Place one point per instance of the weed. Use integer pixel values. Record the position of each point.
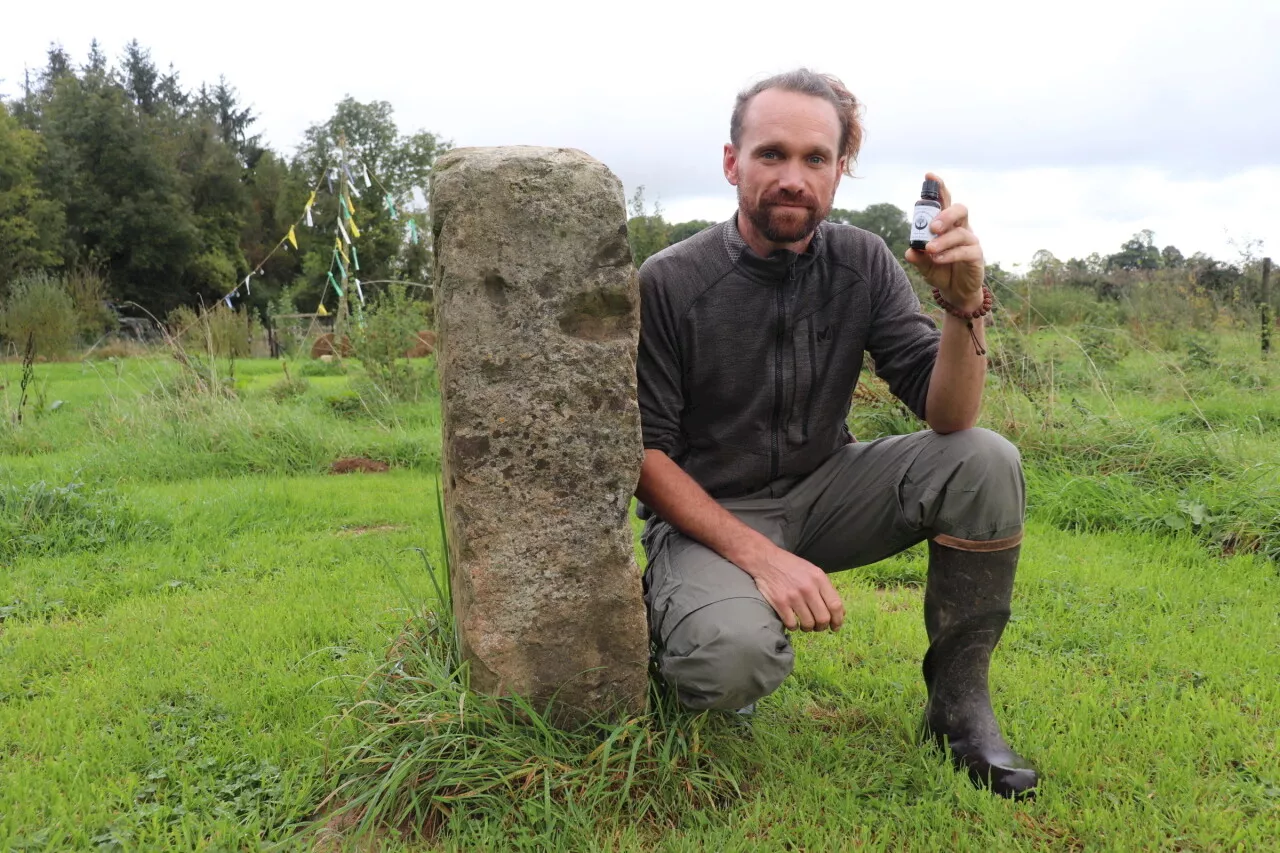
(44, 519)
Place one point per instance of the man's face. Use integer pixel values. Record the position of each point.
(787, 164)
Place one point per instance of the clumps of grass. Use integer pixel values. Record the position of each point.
(1229, 515)
(319, 367)
(418, 754)
(1102, 446)
(288, 388)
(44, 519)
(169, 438)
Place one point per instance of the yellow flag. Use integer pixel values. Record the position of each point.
(351, 199)
(320, 310)
(355, 229)
(311, 200)
(292, 237)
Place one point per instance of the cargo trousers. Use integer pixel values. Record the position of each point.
(719, 644)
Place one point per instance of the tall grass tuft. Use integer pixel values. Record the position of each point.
(44, 519)
(39, 308)
(415, 752)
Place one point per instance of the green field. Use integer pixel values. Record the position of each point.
(188, 597)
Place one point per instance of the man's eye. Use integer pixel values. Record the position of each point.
(817, 159)
(770, 155)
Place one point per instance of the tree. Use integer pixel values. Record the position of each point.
(141, 78)
(1213, 275)
(884, 220)
(221, 107)
(31, 224)
(684, 230)
(1138, 253)
(1171, 258)
(647, 232)
(1046, 268)
(115, 170)
(359, 137)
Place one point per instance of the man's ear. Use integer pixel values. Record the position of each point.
(731, 163)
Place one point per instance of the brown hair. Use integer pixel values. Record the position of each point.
(805, 82)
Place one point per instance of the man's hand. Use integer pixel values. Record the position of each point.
(952, 261)
(798, 591)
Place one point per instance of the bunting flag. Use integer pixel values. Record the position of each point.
(342, 177)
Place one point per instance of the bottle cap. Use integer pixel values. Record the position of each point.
(931, 189)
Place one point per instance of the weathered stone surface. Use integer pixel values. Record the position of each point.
(538, 319)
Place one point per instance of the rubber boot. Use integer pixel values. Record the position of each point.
(966, 606)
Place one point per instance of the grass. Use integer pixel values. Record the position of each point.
(204, 636)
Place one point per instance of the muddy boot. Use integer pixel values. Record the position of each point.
(966, 606)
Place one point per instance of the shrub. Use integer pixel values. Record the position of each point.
(1106, 347)
(39, 307)
(88, 291)
(380, 337)
(218, 331)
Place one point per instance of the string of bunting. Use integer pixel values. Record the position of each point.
(346, 257)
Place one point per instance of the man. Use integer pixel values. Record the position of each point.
(752, 337)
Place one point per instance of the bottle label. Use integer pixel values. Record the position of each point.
(921, 216)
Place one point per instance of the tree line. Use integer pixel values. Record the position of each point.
(166, 191)
(121, 170)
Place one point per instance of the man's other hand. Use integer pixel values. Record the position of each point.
(952, 261)
(798, 591)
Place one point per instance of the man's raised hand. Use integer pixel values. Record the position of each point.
(952, 261)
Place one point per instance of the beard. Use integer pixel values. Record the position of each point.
(779, 225)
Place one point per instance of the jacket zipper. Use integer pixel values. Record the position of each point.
(777, 373)
(813, 379)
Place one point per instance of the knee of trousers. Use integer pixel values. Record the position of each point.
(984, 487)
(726, 655)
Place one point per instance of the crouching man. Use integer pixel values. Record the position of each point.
(752, 337)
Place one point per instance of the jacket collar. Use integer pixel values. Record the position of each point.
(779, 263)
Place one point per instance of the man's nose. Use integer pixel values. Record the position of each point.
(792, 178)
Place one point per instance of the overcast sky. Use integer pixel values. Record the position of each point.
(1066, 129)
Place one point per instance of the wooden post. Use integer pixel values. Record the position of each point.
(1266, 306)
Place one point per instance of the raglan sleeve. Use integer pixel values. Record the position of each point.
(903, 340)
(659, 371)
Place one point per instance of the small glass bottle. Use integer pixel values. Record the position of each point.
(926, 209)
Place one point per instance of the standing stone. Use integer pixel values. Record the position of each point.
(538, 317)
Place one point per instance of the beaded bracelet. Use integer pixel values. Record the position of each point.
(967, 316)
